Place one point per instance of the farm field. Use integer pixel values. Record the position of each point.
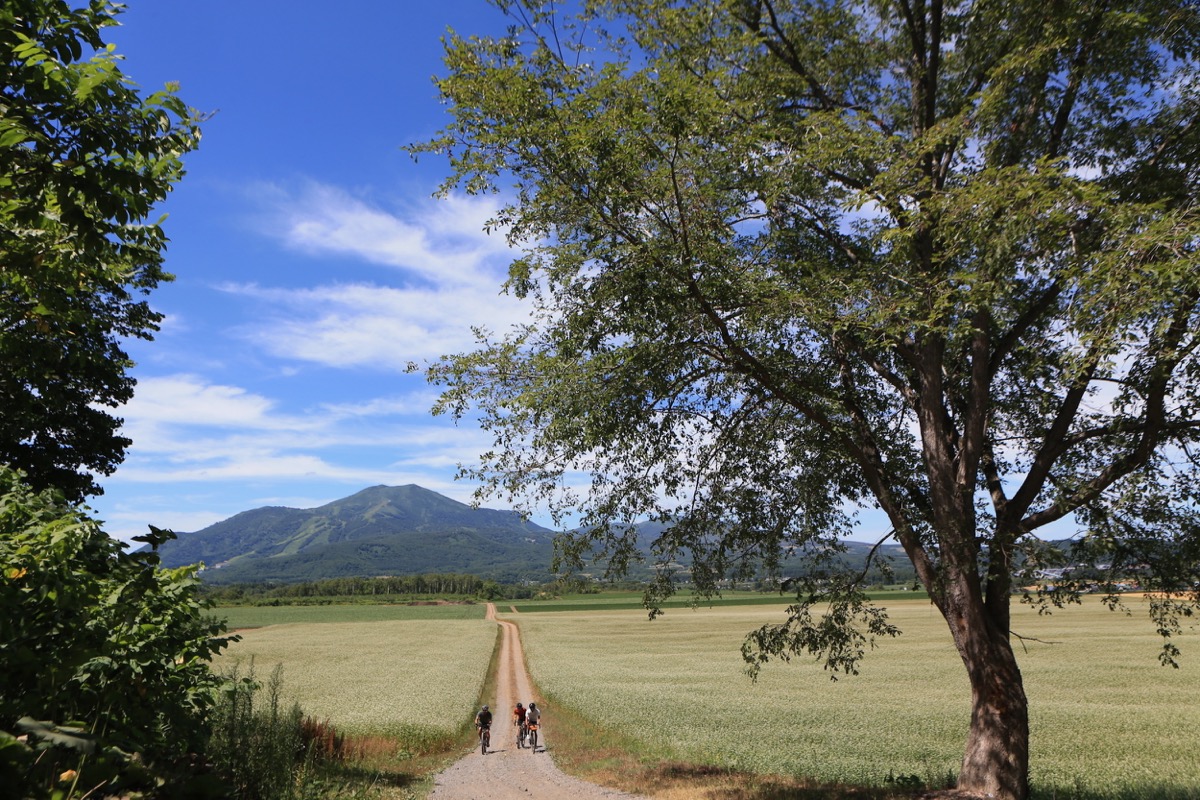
(629, 600)
(1106, 720)
(238, 617)
(414, 679)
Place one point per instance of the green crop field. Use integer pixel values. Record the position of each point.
(628, 601)
(1106, 719)
(238, 617)
(415, 679)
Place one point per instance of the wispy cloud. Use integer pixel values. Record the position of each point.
(190, 399)
(447, 278)
(370, 325)
(184, 427)
(417, 402)
(440, 241)
(190, 432)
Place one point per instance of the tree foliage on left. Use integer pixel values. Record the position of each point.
(103, 654)
(84, 159)
(105, 658)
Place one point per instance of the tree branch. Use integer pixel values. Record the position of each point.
(1032, 314)
(1166, 356)
(1053, 441)
(1083, 54)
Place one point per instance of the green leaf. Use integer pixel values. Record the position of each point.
(76, 739)
(12, 134)
(76, 202)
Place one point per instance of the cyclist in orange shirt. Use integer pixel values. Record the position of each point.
(519, 722)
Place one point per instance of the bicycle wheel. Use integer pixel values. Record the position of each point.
(485, 740)
(533, 740)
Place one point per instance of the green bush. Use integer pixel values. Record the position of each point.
(264, 748)
(257, 744)
(105, 658)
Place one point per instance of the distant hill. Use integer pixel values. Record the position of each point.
(383, 530)
(853, 558)
(401, 530)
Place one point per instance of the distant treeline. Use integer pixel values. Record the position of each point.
(378, 589)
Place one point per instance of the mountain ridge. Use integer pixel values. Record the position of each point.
(401, 530)
(380, 530)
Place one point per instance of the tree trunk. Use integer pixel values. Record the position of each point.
(996, 760)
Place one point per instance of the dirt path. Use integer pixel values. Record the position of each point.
(506, 772)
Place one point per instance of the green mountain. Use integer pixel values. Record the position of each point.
(383, 530)
(400, 530)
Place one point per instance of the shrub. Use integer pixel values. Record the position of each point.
(105, 673)
(257, 744)
(264, 748)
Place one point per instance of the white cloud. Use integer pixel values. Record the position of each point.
(185, 428)
(441, 242)
(449, 279)
(355, 325)
(413, 403)
(244, 465)
(191, 400)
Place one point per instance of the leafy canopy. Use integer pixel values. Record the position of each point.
(790, 259)
(84, 158)
(102, 653)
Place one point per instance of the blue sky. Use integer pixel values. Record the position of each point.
(312, 261)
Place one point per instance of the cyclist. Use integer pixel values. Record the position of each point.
(532, 716)
(519, 723)
(483, 721)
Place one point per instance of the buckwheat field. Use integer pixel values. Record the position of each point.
(1105, 717)
(402, 678)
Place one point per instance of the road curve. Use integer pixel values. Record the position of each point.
(506, 772)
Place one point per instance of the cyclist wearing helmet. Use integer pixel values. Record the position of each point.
(483, 720)
(533, 715)
(519, 723)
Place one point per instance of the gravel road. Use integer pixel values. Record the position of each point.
(506, 772)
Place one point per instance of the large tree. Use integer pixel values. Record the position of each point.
(84, 158)
(792, 259)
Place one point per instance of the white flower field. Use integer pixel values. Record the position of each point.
(1104, 715)
(396, 677)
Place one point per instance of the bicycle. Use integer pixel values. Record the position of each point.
(485, 739)
(522, 734)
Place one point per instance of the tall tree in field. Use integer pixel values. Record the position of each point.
(84, 157)
(791, 259)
